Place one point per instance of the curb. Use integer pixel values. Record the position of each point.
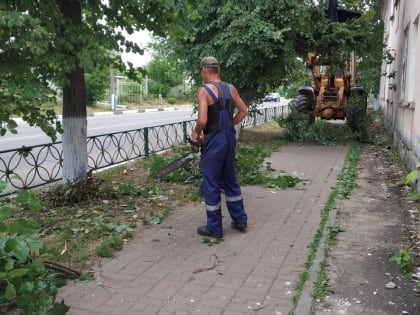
(118, 112)
(132, 111)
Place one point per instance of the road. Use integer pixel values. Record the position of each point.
(105, 123)
(129, 121)
(101, 123)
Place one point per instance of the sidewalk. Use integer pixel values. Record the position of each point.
(167, 269)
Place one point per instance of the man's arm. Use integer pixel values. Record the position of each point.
(202, 113)
(240, 105)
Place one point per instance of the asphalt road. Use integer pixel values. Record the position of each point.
(101, 123)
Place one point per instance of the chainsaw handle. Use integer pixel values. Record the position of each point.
(196, 143)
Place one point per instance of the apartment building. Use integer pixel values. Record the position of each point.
(400, 84)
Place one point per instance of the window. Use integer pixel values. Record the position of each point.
(403, 66)
(412, 52)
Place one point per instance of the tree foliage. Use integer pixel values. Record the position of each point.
(255, 41)
(24, 42)
(39, 44)
(164, 73)
(97, 81)
(263, 44)
(334, 41)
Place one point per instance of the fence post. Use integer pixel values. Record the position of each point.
(265, 115)
(146, 141)
(184, 130)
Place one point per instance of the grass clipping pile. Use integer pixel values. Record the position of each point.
(81, 222)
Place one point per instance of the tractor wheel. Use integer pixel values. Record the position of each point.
(356, 112)
(302, 104)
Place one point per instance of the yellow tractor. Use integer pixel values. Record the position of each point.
(335, 93)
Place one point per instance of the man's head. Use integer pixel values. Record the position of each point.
(210, 63)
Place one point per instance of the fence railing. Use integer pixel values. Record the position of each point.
(38, 165)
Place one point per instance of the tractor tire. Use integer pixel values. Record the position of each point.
(356, 112)
(303, 104)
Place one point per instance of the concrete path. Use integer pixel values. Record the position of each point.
(167, 269)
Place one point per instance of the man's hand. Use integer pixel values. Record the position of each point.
(195, 135)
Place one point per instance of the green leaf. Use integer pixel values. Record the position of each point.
(3, 227)
(412, 177)
(6, 210)
(9, 264)
(22, 196)
(89, 276)
(26, 287)
(3, 185)
(37, 265)
(11, 124)
(19, 272)
(10, 293)
(58, 309)
(10, 245)
(28, 199)
(22, 226)
(156, 220)
(21, 252)
(34, 242)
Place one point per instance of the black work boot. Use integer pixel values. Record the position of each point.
(204, 231)
(239, 226)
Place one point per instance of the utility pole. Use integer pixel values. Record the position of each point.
(112, 89)
(112, 78)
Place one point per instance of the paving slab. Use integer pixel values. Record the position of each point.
(167, 269)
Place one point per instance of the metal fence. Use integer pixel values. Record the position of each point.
(38, 165)
(127, 92)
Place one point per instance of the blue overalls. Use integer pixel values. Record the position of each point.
(218, 160)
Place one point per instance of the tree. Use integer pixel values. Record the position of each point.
(164, 73)
(334, 41)
(97, 82)
(24, 41)
(370, 49)
(255, 41)
(54, 41)
(262, 45)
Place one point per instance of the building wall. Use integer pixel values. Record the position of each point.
(400, 88)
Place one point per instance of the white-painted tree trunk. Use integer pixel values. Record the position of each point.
(75, 159)
(238, 131)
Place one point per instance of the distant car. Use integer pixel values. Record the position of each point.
(272, 97)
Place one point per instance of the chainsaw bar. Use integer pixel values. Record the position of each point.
(175, 165)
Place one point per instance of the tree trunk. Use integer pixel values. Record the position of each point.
(247, 97)
(75, 159)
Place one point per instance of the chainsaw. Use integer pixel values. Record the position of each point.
(174, 165)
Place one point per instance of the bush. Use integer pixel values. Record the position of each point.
(24, 279)
(97, 81)
(299, 128)
(171, 100)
